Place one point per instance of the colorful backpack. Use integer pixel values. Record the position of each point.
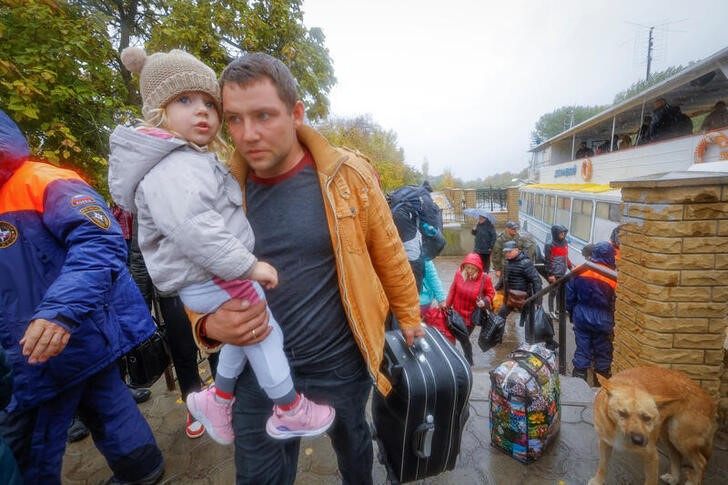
(525, 414)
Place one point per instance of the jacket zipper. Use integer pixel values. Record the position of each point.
(343, 288)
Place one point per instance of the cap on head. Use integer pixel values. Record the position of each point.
(510, 246)
(512, 225)
(165, 75)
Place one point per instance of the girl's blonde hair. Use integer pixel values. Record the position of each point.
(157, 118)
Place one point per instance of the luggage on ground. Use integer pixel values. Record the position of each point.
(419, 425)
(525, 413)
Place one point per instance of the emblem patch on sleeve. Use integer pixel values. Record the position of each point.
(81, 199)
(8, 234)
(96, 215)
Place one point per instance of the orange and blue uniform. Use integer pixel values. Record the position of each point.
(590, 299)
(62, 259)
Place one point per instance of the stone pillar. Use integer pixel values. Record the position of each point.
(673, 275)
(471, 199)
(512, 203)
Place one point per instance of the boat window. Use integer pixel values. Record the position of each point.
(607, 217)
(538, 207)
(581, 219)
(563, 209)
(548, 214)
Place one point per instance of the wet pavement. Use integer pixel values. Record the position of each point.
(571, 459)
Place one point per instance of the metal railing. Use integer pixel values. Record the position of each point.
(560, 288)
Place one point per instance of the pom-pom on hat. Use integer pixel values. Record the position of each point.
(164, 75)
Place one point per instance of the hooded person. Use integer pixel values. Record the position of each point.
(590, 299)
(470, 287)
(556, 257)
(69, 309)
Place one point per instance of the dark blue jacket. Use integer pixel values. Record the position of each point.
(62, 258)
(590, 297)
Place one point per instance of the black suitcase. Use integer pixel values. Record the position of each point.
(419, 425)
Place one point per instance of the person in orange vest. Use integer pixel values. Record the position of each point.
(590, 299)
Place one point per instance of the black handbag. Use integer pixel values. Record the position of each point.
(542, 328)
(458, 329)
(476, 317)
(492, 330)
(146, 362)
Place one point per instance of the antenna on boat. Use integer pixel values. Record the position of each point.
(664, 28)
(649, 54)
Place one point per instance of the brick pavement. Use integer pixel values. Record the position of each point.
(572, 458)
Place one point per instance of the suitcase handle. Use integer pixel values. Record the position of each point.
(420, 348)
(422, 437)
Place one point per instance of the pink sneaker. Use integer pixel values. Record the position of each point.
(307, 419)
(216, 417)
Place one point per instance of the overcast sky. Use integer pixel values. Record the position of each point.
(463, 82)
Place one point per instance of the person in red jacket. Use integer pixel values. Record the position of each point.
(470, 287)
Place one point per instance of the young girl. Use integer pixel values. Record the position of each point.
(470, 287)
(193, 233)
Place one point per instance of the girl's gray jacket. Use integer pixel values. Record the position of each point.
(188, 207)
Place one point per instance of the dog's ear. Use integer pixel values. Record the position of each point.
(606, 385)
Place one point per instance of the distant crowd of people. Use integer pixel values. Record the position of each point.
(667, 121)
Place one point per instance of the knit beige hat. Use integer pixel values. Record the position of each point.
(164, 75)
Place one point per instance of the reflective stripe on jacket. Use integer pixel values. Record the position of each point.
(590, 299)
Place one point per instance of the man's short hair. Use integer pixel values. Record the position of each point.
(254, 67)
(512, 225)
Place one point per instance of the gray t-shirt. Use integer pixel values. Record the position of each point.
(291, 233)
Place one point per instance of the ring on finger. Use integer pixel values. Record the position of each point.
(254, 334)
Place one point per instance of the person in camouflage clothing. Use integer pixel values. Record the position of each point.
(524, 243)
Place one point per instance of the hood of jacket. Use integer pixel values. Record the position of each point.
(13, 147)
(556, 230)
(604, 254)
(133, 155)
(474, 259)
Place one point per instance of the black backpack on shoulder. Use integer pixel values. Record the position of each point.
(417, 200)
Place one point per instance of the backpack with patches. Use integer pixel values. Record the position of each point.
(418, 201)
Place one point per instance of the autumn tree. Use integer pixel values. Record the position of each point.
(379, 145)
(55, 82)
(641, 85)
(561, 119)
(62, 80)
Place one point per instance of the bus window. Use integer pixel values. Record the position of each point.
(581, 219)
(538, 207)
(548, 214)
(563, 211)
(529, 204)
(606, 218)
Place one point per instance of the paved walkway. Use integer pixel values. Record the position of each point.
(571, 459)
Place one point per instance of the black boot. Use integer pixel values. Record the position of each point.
(140, 395)
(77, 431)
(580, 373)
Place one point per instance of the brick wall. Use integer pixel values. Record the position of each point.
(673, 276)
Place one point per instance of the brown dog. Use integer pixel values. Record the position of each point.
(638, 406)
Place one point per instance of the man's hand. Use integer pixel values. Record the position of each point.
(238, 322)
(410, 334)
(442, 305)
(42, 340)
